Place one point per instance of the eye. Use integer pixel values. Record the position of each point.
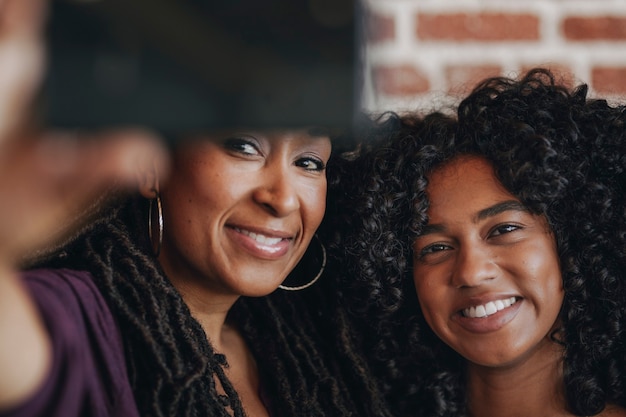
(310, 163)
(242, 145)
(433, 250)
(435, 247)
(504, 229)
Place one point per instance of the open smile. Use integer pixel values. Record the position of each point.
(263, 245)
(262, 239)
(486, 310)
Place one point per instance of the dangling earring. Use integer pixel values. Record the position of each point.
(159, 214)
(316, 277)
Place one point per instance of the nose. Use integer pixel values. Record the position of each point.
(474, 266)
(277, 193)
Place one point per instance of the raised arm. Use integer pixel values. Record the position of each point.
(46, 179)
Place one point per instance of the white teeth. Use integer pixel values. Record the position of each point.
(260, 238)
(488, 309)
(480, 311)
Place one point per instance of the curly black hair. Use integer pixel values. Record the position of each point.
(564, 156)
(303, 342)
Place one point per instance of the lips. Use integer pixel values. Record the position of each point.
(486, 310)
(268, 245)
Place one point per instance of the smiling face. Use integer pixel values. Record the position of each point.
(486, 270)
(240, 209)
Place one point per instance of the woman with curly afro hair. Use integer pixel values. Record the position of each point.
(487, 252)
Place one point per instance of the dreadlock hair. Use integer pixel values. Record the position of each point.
(305, 347)
(563, 156)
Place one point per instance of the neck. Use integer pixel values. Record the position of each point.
(210, 309)
(531, 387)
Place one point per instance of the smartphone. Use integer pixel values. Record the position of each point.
(181, 67)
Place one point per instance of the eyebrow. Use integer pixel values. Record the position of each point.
(509, 205)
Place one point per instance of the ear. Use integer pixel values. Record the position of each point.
(148, 177)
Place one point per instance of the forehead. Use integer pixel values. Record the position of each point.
(464, 183)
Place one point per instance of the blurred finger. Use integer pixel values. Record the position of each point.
(49, 182)
(112, 155)
(21, 60)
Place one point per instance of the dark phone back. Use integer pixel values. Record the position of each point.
(186, 66)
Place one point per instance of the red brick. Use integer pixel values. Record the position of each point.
(563, 74)
(461, 79)
(609, 80)
(594, 28)
(401, 80)
(492, 27)
(380, 28)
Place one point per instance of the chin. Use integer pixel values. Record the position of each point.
(257, 289)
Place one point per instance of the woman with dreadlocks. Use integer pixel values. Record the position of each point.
(489, 254)
(234, 217)
(176, 300)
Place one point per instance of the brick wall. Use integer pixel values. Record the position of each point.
(427, 53)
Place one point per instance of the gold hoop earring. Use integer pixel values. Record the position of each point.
(159, 215)
(315, 278)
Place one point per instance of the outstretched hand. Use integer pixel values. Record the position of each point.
(47, 178)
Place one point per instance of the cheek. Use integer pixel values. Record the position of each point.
(435, 297)
(542, 264)
(553, 291)
(313, 202)
(428, 298)
(435, 317)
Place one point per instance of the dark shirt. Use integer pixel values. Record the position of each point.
(88, 375)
